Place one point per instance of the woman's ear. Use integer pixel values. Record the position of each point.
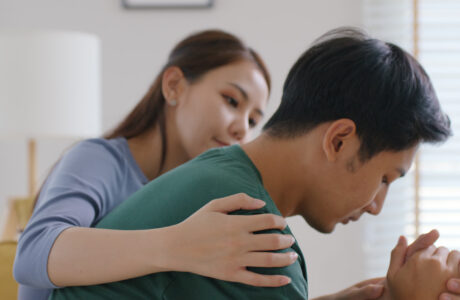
(172, 85)
(340, 137)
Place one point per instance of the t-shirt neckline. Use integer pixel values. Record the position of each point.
(132, 161)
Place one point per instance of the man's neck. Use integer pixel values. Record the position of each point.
(276, 161)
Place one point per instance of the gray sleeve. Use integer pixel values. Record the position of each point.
(78, 192)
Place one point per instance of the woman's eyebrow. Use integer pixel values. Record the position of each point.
(239, 88)
(245, 96)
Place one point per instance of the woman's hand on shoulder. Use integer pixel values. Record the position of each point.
(212, 243)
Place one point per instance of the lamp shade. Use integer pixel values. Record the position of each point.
(49, 84)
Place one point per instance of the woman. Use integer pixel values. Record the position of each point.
(211, 73)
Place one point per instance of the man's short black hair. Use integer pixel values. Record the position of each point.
(382, 88)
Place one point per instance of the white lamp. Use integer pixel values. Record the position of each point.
(49, 87)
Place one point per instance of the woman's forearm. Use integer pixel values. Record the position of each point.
(87, 256)
(209, 243)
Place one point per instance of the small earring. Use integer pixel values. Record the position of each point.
(172, 102)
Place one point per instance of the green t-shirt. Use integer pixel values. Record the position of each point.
(172, 198)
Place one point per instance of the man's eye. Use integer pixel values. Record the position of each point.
(231, 101)
(385, 180)
(252, 123)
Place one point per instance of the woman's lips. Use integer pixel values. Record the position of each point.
(221, 144)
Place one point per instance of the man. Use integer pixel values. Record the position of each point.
(353, 113)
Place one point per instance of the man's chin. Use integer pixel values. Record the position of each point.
(323, 228)
(329, 229)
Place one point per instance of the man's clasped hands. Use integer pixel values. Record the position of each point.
(419, 271)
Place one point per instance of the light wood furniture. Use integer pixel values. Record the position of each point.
(18, 212)
(8, 286)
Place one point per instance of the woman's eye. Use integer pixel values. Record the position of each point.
(231, 101)
(252, 123)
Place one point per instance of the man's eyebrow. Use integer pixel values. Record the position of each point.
(245, 96)
(401, 171)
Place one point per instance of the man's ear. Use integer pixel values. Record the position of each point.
(339, 136)
(172, 84)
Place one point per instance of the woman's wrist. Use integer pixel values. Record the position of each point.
(162, 249)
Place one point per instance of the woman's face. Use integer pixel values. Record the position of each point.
(221, 108)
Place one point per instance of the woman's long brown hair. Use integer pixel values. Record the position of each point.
(195, 55)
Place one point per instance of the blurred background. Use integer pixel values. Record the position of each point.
(134, 43)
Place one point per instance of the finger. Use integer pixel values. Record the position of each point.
(453, 261)
(261, 222)
(422, 242)
(428, 252)
(442, 253)
(270, 241)
(260, 280)
(269, 259)
(371, 291)
(446, 296)
(234, 202)
(453, 286)
(377, 280)
(397, 256)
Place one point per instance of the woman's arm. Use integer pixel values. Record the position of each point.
(209, 243)
(87, 256)
(87, 182)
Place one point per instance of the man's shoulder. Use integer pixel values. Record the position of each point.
(224, 161)
(172, 197)
(217, 172)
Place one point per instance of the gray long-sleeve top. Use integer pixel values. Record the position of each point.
(90, 180)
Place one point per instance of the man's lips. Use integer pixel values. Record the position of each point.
(350, 219)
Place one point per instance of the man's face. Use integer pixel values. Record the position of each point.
(352, 188)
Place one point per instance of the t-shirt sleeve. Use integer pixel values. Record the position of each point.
(77, 193)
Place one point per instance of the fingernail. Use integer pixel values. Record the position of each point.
(292, 240)
(260, 202)
(453, 285)
(294, 255)
(285, 280)
(400, 240)
(445, 297)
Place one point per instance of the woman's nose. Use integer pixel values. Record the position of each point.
(240, 128)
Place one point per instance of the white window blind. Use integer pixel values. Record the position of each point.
(433, 28)
(439, 48)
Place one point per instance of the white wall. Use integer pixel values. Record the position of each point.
(135, 44)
